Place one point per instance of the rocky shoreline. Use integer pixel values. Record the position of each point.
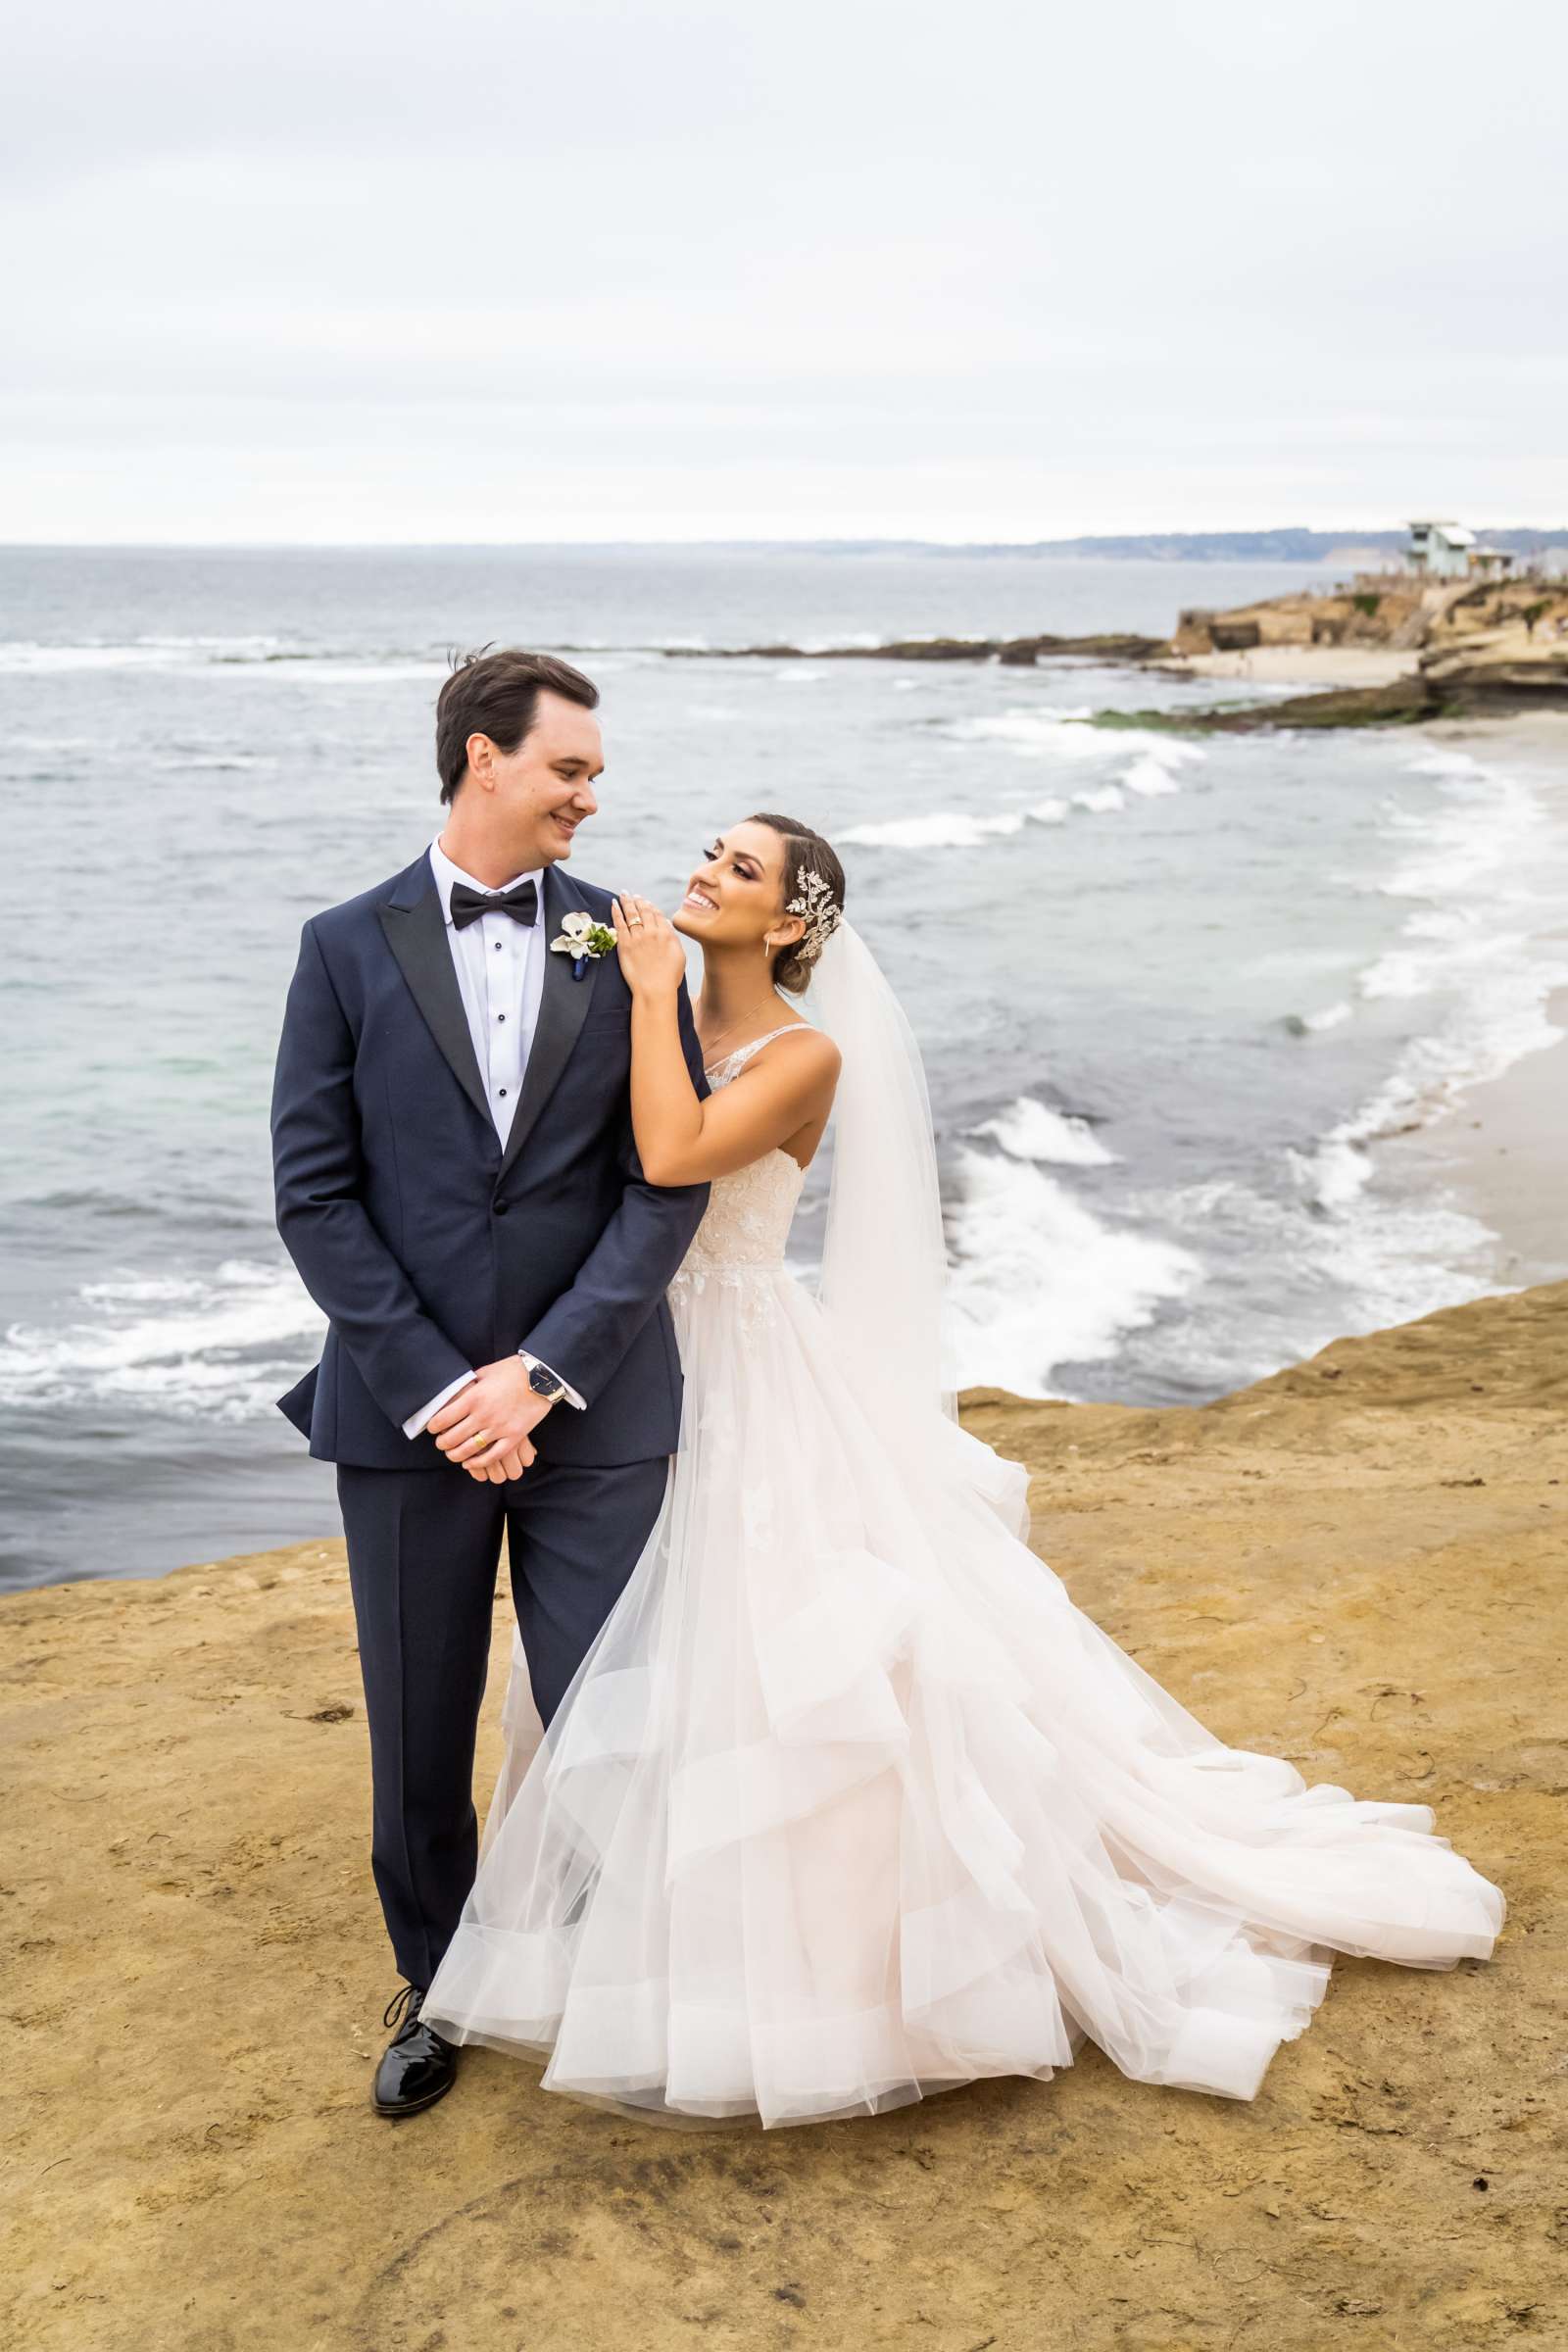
(1489, 650)
(1013, 653)
(1480, 648)
(1405, 701)
(1353, 1563)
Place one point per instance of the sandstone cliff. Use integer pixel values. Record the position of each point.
(1488, 646)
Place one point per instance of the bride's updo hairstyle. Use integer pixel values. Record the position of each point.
(814, 887)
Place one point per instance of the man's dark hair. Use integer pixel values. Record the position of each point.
(497, 694)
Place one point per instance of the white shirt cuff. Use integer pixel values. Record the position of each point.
(415, 1424)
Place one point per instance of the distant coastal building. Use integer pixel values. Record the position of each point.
(1447, 550)
(1440, 548)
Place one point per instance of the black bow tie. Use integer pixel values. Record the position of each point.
(521, 903)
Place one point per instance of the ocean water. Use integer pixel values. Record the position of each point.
(1169, 992)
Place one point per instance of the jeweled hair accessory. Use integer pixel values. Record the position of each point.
(815, 902)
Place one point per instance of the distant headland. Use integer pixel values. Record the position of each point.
(1288, 544)
(1447, 623)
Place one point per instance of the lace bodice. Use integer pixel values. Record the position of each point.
(748, 1215)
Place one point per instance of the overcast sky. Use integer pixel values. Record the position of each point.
(742, 268)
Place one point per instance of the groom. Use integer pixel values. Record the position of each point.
(458, 1185)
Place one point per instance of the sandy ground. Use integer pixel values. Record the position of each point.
(1356, 1564)
(1299, 665)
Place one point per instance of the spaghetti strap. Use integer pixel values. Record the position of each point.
(733, 1063)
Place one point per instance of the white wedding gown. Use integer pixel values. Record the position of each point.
(850, 1803)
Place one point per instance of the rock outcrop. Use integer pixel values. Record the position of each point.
(1502, 646)
(1494, 646)
(1401, 703)
(1380, 615)
(1015, 651)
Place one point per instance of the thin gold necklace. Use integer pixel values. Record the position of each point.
(710, 1043)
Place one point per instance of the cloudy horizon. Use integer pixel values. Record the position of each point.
(355, 276)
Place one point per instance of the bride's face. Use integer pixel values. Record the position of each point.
(735, 898)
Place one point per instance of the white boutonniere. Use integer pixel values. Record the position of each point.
(583, 939)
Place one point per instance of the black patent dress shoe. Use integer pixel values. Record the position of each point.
(418, 2065)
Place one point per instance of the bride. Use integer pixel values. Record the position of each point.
(849, 1802)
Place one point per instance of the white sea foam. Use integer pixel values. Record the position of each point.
(1437, 950)
(1151, 776)
(1490, 1029)
(1474, 953)
(219, 657)
(951, 828)
(1029, 1128)
(17, 654)
(1033, 733)
(1330, 1017)
(944, 829)
(346, 669)
(1444, 763)
(959, 829)
(1475, 829)
(1400, 1258)
(1039, 1281)
(1379, 1259)
(182, 762)
(220, 1345)
(1151, 770)
(1036, 734)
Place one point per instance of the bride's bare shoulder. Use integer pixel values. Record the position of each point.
(811, 1048)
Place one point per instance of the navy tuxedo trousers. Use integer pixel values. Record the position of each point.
(423, 1549)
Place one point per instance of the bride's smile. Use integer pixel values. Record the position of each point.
(760, 938)
(734, 896)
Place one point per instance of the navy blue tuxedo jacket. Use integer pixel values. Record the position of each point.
(429, 1249)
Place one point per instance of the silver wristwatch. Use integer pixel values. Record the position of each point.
(545, 1384)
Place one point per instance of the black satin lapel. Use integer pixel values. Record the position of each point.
(418, 938)
(563, 1006)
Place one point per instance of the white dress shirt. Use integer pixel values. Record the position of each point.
(500, 965)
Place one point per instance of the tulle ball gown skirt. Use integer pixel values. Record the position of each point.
(850, 1802)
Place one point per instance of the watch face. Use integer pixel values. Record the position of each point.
(543, 1382)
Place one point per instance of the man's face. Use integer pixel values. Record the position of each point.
(545, 788)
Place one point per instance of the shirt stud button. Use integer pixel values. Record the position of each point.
(502, 1091)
